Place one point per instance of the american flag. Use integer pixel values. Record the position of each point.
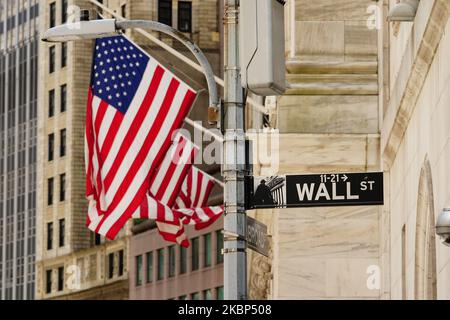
(134, 106)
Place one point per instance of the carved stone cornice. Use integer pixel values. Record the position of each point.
(408, 88)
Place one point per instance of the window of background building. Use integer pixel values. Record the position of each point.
(50, 236)
(195, 296)
(52, 14)
(50, 187)
(160, 264)
(172, 257)
(63, 105)
(183, 260)
(62, 232)
(165, 12)
(121, 265)
(184, 297)
(149, 272)
(123, 10)
(138, 270)
(62, 187)
(48, 281)
(97, 239)
(207, 253)
(60, 278)
(185, 16)
(207, 294)
(219, 246)
(51, 146)
(195, 253)
(63, 54)
(51, 59)
(110, 265)
(62, 143)
(219, 292)
(51, 103)
(63, 11)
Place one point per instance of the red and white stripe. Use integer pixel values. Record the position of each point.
(165, 185)
(123, 150)
(195, 190)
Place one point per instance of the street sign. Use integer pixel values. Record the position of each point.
(257, 236)
(315, 190)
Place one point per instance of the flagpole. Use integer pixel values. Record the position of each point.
(233, 167)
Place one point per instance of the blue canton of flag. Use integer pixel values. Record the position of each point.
(118, 70)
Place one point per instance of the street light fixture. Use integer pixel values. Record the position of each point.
(85, 30)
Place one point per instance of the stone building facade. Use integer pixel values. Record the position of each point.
(72, 263)
(329, 122)
(414, 148)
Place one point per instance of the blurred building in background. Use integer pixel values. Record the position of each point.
(19, 41)
(365, 95)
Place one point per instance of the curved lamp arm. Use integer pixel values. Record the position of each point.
(214, 101)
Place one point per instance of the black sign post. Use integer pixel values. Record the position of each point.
(315, 190)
